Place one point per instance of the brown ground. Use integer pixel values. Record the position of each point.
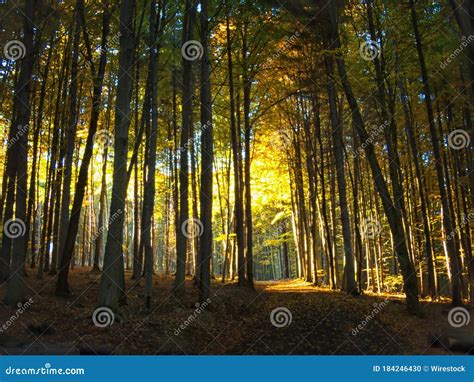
(237, 321)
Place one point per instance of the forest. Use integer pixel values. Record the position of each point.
(236, 177)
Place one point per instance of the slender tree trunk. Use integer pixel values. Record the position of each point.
(112, 285)
(235, 138)
(150, 160)
(32, 191)
(187, 120)
(247, 79)
(349, 282)
(70, 137)
(207, 160)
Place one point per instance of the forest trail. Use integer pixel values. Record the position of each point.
(236, 320)
(325, 322)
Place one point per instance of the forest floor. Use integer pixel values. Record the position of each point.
(235, 321)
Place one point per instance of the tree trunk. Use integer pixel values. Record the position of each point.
(207, 159)
(112, 284)
(235, 139)
(187, 120)
(349, 282)
(150, 157)
(17, 161)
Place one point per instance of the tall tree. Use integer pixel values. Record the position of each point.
(112, 283)
(17, 160)
(349, 282)
(150, 156)
(186, 128)
(207, 159)
(236, 155)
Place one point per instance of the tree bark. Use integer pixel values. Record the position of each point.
(349, 282)
(235, 139)
(112, 283)
(207, 160)
(187, 121)
(17, 159)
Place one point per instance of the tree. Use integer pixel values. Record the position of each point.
(112, 283)
(150, 156)
(207, 159)
(349, 284)
(236, 155)
(14, 240)
(187, 122)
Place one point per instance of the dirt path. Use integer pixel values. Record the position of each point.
(320, 322)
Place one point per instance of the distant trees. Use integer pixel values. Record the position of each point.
(73, 223)
(447, 218)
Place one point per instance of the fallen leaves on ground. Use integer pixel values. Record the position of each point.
(237, 320)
